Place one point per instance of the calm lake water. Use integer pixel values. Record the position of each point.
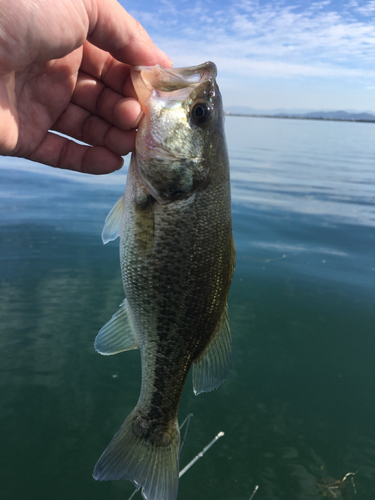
(299, 406)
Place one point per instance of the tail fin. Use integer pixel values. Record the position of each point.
(154, 466)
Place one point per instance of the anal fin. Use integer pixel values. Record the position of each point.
(213, 366)
(118, 333)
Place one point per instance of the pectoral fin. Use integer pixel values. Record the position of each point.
(112, 225)
(212, 368)
(118, 334)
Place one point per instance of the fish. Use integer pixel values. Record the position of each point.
(177, 258)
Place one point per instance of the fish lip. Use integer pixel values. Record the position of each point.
(186, 76)
(148, 79)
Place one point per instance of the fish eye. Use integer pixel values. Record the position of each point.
(201, 112)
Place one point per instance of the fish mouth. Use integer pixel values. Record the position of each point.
(146, 79)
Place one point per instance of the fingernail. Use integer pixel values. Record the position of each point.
(121, 165)
(169, 62)
(139, 119)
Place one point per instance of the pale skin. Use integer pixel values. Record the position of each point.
(64, 66)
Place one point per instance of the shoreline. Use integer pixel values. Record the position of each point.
(301, 118)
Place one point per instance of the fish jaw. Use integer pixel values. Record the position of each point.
(147, 79)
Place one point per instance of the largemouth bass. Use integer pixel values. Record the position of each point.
(177, 259)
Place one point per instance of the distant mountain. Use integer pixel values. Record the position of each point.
(303, 113)
(245, 110)
(341, 115)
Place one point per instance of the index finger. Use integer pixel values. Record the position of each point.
(102, 66)
(113, 29)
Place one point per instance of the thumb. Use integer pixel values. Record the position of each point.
(113, 29)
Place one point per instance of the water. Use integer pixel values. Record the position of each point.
(299, 406)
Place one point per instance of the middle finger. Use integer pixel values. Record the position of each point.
(99, 99)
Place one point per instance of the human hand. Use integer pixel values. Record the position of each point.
(64, 66)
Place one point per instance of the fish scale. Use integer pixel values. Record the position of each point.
(177, 260)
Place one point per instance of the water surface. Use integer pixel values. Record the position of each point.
(299, 405)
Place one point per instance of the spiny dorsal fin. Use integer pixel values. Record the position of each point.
(118, 334)
(212, 368)
(112, 225)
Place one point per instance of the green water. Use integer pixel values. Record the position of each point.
(299, 405)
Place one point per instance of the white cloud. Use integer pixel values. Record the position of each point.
(367, 9)
(272, 30)
(278, 40)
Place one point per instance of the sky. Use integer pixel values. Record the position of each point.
(272, 54)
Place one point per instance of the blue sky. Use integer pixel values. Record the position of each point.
(273, 54)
